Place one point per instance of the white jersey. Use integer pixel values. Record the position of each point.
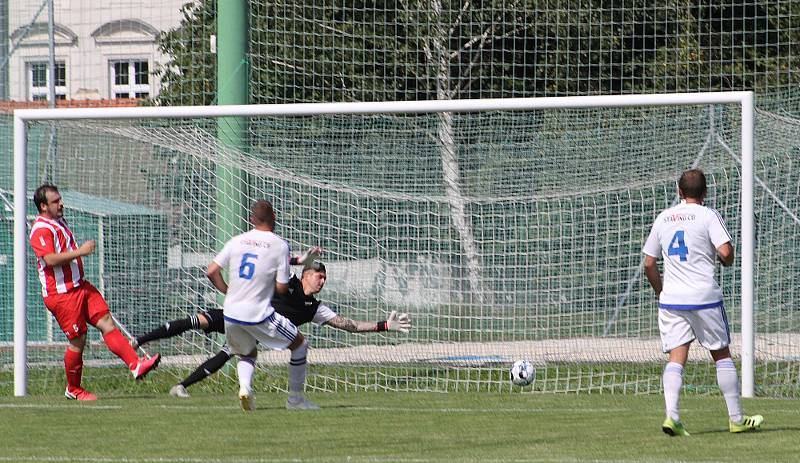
(687, 237)
(323, 315)
(255, 261)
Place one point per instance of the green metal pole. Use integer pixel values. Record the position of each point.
(232, 89)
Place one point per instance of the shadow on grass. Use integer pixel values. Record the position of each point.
(763, 430)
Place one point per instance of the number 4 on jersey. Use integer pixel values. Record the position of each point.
(677, 247)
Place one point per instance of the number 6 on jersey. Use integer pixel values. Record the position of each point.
(247, 268)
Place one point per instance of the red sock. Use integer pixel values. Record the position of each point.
(117, 344)
(73, 364)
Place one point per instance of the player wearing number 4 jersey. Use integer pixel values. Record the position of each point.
(691, 238)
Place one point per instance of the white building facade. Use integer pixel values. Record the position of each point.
(104, 49)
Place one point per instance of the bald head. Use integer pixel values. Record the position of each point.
(692, 184)
(262, 214)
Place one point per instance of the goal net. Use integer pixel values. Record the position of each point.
(504, 234)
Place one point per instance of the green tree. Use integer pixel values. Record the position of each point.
(338, 50)
(190, 75)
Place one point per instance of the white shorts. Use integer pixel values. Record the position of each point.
(275, 332)
(708, 326)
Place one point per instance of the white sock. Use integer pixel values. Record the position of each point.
(297, 371)
(672, 380)
(728, 382)
(245, 369)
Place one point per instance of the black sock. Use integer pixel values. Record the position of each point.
(169, 329)
(208, 368)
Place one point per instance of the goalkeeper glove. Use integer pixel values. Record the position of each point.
(398, 322)
(309, 256)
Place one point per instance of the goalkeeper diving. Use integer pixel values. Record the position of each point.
(299, 305)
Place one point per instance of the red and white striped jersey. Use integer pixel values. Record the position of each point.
(49, 236)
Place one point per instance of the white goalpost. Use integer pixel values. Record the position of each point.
(477, 247)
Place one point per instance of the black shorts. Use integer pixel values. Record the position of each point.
(216, 322)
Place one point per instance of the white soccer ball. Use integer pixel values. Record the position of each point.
(522, 373)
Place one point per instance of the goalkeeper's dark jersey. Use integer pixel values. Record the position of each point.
(295, 305)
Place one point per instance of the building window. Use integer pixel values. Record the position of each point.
(130, 79)
(38, 81)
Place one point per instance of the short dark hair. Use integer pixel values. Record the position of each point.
(693, 184)
(316, 266)
(40, 195)
(263, 213)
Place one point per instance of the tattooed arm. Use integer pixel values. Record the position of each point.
(353, 326)
(395, 322)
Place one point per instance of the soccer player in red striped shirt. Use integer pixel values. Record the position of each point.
(71, 299)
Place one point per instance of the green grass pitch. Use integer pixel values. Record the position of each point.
(387, 427)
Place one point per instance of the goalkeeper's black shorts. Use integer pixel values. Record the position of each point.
(216, 322)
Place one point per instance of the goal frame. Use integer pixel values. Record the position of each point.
(743, 98)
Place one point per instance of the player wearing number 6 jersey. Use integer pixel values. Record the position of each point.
(258, 266)
(300, 306)
(691, 238)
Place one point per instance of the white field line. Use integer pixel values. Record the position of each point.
(234, 406)
(448, 410)
(69, 406)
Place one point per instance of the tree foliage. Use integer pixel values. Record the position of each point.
(190, 75)
(340, 50)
